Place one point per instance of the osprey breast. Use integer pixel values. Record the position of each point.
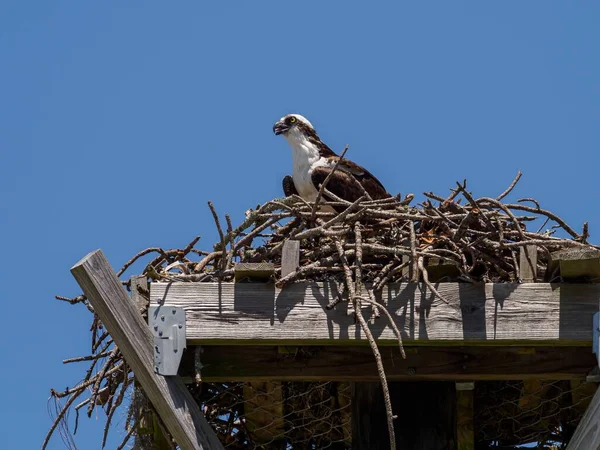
(305, 158)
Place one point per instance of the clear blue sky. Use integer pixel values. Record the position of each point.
(118, 121)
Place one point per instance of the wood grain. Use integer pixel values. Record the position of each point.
(528, 263)
(290, 257)
(168, 395)
(500, 314)
(253, 271)
(577, 263)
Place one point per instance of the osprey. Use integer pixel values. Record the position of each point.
(313, 161)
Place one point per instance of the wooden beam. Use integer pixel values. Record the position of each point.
(253, 271)
(476, 314)
(330, 363)
(576, 264)
(587, 434)
(169, 395)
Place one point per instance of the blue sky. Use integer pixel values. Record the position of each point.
(118, 121)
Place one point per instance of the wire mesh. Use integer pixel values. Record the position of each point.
(278, 415)
(531, 414)
(536, 413)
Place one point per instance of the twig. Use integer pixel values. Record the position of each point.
(220, 230)
(511, 187)
(324, 184)
(365, 327)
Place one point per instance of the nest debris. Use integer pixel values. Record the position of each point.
(363, 245)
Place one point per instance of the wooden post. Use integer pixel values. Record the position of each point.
(263, 411)
(528, 264)
(169, 395)
(148, 426)
(369, 429)
(263, 400)
(429, 423)
(465, 433)
(290, 257)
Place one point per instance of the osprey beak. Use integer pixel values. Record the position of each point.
(280, 127)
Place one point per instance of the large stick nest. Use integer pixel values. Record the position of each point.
(364, 245)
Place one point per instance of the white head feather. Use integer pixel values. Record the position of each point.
(299, 118)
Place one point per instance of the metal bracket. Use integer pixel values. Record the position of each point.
(167, 324)
(596, 337)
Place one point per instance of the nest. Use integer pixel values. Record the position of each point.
(363, 244)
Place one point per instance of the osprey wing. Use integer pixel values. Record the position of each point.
(347, 179)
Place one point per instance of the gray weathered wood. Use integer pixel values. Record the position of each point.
(251, 313)
(140, 283)
(356, 363)
(148, 427)
(290, 257)
(587, 434)
(168, 395)
(576, 263)
(253, 271)
(528, 266)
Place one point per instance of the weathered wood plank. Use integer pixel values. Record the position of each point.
(528, 263)
(168, 395)
(576, 263)
(587, 434)
(331, 363)
(290, 257)
(253, 271)
(253, 313)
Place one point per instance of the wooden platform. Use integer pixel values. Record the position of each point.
(528, 314)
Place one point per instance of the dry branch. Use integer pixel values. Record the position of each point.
(370, 243)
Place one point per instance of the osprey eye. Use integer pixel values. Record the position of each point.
(291, 119)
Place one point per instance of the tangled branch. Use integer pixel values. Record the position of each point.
(363, 245)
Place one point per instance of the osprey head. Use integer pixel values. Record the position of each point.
(292, 122)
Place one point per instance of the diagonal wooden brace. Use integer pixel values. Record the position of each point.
(169, 395)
